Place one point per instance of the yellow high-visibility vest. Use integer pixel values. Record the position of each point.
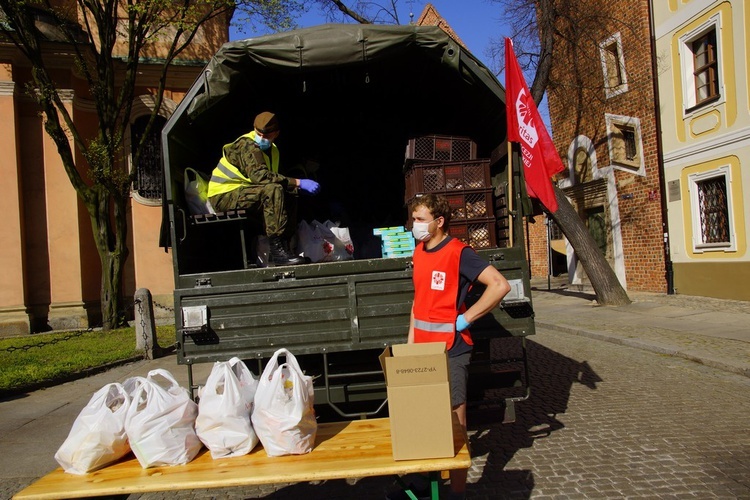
(226, 177)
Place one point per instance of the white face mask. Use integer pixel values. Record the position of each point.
(420, 231)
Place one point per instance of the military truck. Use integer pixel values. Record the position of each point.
(354, 102)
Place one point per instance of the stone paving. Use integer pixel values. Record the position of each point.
(609, 421)
(604, 421)
(649, 400)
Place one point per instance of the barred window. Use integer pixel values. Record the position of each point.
(625, 143)
(714, 211)
(148, 172)
(628, 137)
(711, 205)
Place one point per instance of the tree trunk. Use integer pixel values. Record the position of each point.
(112, 308)
(110, 233)
(609, 291)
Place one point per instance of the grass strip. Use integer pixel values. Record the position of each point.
(32, 360)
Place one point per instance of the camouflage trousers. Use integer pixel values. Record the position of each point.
(274, 206)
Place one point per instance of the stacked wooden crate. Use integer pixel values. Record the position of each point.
(448, 165)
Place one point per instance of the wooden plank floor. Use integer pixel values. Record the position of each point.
(356, 449)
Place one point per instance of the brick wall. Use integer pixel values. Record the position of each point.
(537, 246)
(578, 105)
(431, 17)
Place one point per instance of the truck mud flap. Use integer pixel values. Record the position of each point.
(499, 376)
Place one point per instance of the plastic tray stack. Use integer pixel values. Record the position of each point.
(461, 177)
(441, 148)
(395, 241)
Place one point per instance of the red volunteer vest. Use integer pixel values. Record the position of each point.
(436, 282)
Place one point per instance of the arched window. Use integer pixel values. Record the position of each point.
(148, 172)
(582, 166)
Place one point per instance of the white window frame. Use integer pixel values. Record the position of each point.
(639, 167)
(698, 245)
(610, 92)
(687, 62)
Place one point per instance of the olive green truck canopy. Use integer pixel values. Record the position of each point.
(348, 98)
(398, 80)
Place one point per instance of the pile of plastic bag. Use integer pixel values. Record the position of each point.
(155, 418)
(324, 241)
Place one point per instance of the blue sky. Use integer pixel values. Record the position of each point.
(475, 21)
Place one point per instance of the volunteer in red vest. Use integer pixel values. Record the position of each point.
(444, 270)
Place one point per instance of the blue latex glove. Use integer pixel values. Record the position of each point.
(461, 323)
(309, 186)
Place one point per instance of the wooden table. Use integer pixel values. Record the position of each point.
(361, 448)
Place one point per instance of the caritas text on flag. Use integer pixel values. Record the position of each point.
(525, 125)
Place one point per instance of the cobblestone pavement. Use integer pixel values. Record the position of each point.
(648, 400)
(604, 421)
(609, 421)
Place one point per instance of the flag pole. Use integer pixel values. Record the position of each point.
(509, 194)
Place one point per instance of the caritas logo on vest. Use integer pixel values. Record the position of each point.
(438, 280)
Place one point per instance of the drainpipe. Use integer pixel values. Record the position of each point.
(668, 271)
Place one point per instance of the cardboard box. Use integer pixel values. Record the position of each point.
(419, 400)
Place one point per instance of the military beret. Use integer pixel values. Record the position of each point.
(266, 123)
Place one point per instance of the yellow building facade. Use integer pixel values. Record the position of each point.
(51, 275)
(703, 74)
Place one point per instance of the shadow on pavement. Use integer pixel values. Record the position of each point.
(363, 489)
(566, 292)
(552, 376)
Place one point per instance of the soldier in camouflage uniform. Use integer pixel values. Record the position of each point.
(247, 177)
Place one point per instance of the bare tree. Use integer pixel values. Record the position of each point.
(360, 11)
(539, 29)
(97, 33)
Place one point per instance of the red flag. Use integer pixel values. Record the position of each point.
(525, 125)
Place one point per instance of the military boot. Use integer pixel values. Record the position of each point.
(279, 254)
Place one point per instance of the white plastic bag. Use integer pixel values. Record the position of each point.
(98, 436)
(310, 242)
(224, 410)
(196, 192)
(328, 239)
(160, 422)
(343, 247)
(131, 384)
(284, 416)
